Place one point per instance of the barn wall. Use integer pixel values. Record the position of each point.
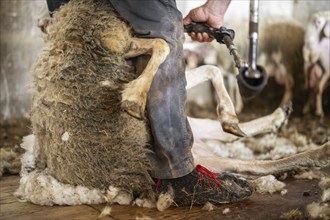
(303, 9)
(239, 9)
(20, 41)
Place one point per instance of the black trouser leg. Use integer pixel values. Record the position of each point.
(55, 4)
(171, 132)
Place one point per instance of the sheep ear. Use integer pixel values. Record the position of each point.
(326, 29)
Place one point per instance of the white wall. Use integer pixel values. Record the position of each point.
(20, 40)
(239, 9)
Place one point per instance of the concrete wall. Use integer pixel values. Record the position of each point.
(303, 9)
(239, 9)
(20, 41)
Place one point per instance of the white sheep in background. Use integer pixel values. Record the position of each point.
(317, 58)
(198, 54)
(279, 52)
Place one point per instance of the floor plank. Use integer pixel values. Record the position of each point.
(300, 193)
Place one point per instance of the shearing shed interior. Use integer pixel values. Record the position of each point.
(64, 91)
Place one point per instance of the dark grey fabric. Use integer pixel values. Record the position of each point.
(167, 97)
(55, 4)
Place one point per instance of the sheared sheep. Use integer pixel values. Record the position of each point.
(85, 147)
(317, 59)
(279, 52)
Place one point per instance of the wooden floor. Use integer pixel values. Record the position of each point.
(300, 193)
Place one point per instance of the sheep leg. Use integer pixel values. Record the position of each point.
(319, 108)
(318, 157)
(289, 83)
(307, 67)
(233, 92)
(134, 95)
(225, 109)
(238, 98)
(307, 70)
(210, 129)
(308, 104)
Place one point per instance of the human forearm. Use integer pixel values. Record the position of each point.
(217, 7)
(212, 13)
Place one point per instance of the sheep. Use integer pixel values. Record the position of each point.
(82, 84)
(316, 59)
(88, 145)
(198, 54)
(279, 52)
(77, 97)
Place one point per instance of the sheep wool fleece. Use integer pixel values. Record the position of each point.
(83, 137)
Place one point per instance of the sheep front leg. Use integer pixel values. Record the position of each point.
(225, 109)
(316, 158)
(288, 83)
(204, 129)
(134, 95)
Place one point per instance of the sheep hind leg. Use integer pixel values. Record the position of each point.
(225, 109)
(315, 158)
(289, 83)
(319, 107)
(204, 129)
(134, 95)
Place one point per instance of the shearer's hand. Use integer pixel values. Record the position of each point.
(44, 18)
(212, 12)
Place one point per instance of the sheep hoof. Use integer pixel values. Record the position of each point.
(287, 109)
(319, 113)
(133, 109)
(233, 128)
